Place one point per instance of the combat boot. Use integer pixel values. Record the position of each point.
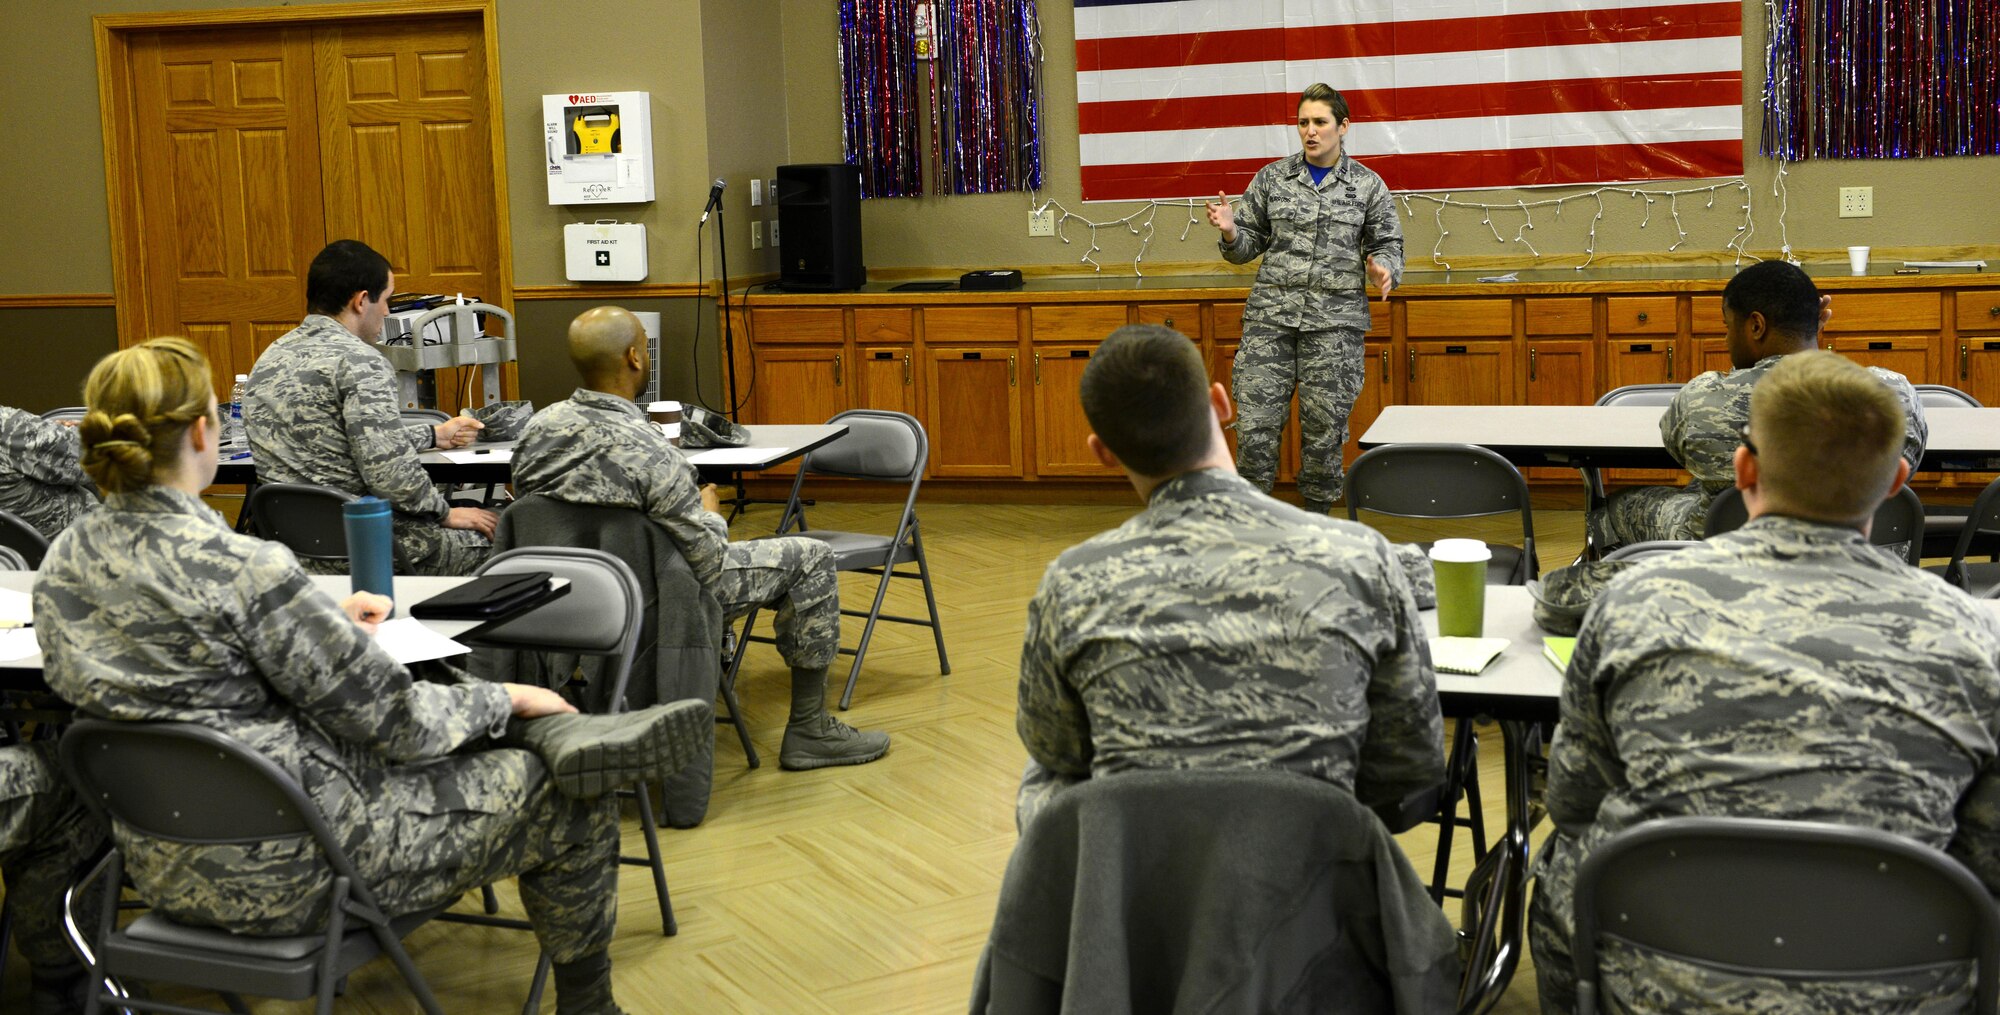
(591, 755)
(814, 738)
(583, 987)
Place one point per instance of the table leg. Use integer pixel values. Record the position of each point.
(1496, 895)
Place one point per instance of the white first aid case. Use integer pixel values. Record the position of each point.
(605, 251)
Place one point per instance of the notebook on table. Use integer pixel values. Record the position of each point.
(1465, 655)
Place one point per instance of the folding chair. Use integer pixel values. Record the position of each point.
(600, 617)
(1451, 481)
(432, 417)
(887, 447)
(306, 518)
(1899, 521)
(186, 783)
(24, 539)
(1942, 521)
(1980, 579)
(1785, 899)
(1595, 496)
(11, 560)
(1649, 548)
(67, 412)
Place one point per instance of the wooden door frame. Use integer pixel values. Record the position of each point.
(114, 34)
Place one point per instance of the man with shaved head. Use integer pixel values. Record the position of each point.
(599, 448)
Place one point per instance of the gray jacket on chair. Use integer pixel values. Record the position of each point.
(680, 642)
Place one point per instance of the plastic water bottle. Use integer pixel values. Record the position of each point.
(233, 435)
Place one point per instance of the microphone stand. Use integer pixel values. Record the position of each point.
(739, 500)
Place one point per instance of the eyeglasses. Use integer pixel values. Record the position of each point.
(1743, 434)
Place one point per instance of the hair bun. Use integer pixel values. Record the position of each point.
(117, 452)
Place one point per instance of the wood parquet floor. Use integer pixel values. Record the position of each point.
(867, 889)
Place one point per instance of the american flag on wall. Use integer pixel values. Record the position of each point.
(1184, 98)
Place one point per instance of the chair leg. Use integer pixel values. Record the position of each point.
(542, 967)
(930, 600)
(729, 689)
(1459, 773)
(651, 830)
(329, 953)
(867, 632)
(489, 900)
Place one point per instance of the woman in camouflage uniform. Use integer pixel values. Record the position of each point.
(1323, 223)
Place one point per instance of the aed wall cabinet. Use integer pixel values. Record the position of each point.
(599, 147)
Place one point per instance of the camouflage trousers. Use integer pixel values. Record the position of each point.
(795, 574)
(436, 830)
(426, 547)
(1326, 368)
(46, 835)
(1638, 514)
(1631, 979)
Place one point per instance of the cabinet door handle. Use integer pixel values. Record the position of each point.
(1531, 364)
(906, 370)
(1413, 364)
(1038, 370)
(1170, 322)
(1642, 317)
(1993, 311)
(1011, 364)
(1385, 366)
(836, 370)
(1964, 356)
(1670, 358)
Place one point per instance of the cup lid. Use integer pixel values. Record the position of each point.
(1460, 551)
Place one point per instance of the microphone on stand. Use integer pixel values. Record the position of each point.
(714, 199)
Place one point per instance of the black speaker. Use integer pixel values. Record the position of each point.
(819, 223)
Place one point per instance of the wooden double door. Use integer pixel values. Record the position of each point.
(252, 147)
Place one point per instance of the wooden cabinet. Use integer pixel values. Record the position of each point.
(885, 378)
(975, 418)
(1182, 317)
(1914, 356)
(1060, 427)
(1459, 373)
(796, 384)
(1376, 392)
(787, 325)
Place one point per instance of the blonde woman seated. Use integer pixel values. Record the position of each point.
(152, 609)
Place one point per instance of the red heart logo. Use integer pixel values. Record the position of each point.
(574, 99)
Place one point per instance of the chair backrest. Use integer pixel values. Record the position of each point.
(1944, 396)
(1640, 394)
(1900, 519)
(306, 518)
(431, 416)
(1791, 899)
(1441, 481)
(599, 615)
(188, 783)
(67, 412)
(1649, 548)
(1983, 517)
(880, 445)
(17, 535)
(11, 560)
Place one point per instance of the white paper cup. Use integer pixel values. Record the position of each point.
(1857, 260)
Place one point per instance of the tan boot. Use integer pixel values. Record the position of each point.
(591, 755)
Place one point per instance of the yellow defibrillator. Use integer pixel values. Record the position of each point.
(596, 133)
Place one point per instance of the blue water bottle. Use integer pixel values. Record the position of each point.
(371, 547)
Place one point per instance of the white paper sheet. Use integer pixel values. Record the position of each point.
(409, 641)
(736, 456)
(16, 606)
(490, 456)
(18, 643)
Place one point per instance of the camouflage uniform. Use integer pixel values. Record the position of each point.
(46, 835)
(1784, 670)
(597, 448)
(158, 612)
(1219, 628)
(320, 408)
(1700, 429)
(1304, 322)
(41, 475)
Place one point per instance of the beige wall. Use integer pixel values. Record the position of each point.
(762, 87)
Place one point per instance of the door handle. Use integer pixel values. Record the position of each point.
(1531, 364)
(836, 370)
(906, 370)
(1964, 357)
(1038, 370)
(1642, 317)
(1011, 358)
(1413, 364)
(1385, 366)
(1670, 359)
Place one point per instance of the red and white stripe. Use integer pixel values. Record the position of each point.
(1184, 98)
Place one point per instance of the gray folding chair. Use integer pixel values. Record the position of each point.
(431, 417)
(1595, 496)
(1943, 521)
(889, 447)
(67, 412)
(1899, 522)
(185, 783)
(306, 518)
(1451, 481)
(11, 560)
(1650, 548)
(1980, 579)
(599, 616)
(1794, 900)
(24, 539)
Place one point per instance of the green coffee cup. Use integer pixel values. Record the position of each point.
(1460, 567)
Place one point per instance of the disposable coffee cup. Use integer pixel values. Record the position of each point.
(1857, 260)
(664, 412)
(1460, 568)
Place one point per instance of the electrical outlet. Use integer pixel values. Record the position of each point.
(756, 236)
(1041, 222)
(1857, 202)
(771, 188)
(774, 232)
(756, 192)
